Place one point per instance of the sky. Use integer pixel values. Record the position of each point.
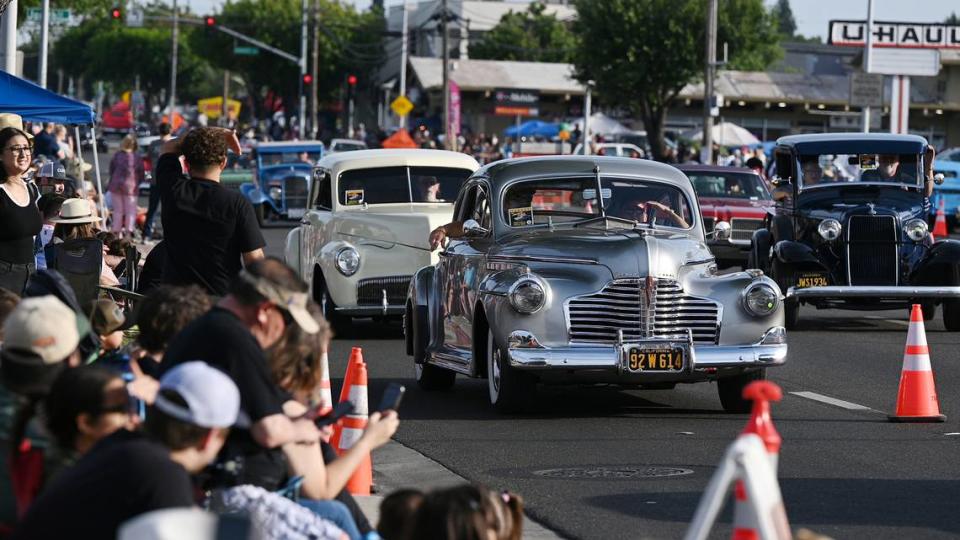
(812, 16)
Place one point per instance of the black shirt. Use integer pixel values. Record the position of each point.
(206, 228)
(121, 477)
(18, 226)
(220, 339)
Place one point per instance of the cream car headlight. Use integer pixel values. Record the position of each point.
(760, 299)
(829, 229)
(527, 295)
(916, 229)
(348, 261)
(276, 193)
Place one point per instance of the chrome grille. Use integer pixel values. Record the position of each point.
(370, 291)
(872, 243)
(623, 305)
(742, 229)
(294, 192)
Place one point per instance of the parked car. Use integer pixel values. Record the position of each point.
(367, 229)
(587, 269)
(948, 192)
(736, 195)
(346, 145)
(614, 150)
(281, 181)
(850, 230)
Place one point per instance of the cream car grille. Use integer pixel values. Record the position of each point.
(625, 304)
(370, 291)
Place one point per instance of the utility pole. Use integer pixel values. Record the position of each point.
(707, 152)
(867, 66)
(587, 99)
(173, 65)
(44, 43)
(10, 38)
(225, 107)
(303, 69)
(314, 111)
(403, 62)
(447, 143)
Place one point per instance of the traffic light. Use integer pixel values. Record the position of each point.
(351, 86)
(352, 80)
(116, 13)
(210, 21)
(307, 79)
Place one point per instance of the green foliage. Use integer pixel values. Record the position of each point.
(641, 53)
(530, 35)
(786, 24)
(350, 42)
(952, 19)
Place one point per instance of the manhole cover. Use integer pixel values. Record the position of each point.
(623, 472)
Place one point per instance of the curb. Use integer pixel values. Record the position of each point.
(396, 466)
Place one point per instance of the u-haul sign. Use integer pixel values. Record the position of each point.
(895, 35)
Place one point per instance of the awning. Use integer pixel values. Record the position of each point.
(35, 104)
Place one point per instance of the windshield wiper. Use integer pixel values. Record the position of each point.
(632, 223)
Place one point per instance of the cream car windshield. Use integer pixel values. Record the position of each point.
(386, 185)
(827, 169)
(571, 200)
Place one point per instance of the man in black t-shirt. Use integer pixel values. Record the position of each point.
(263, 299)
(128, 474)
(209, 230)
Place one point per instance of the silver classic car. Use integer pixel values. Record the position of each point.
(585, 269)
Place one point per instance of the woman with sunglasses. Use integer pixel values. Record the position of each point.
(20, 219)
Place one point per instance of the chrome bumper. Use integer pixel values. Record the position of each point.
(371, 311)
(869, 291)
(701, 357)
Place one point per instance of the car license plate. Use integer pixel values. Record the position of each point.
(811, 280)
(647, 359)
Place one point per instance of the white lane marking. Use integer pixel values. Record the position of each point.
(832, 401)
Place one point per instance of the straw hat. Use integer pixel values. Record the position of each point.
(75, 211)
(14, 121)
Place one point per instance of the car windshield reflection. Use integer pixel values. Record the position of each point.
(827, 169)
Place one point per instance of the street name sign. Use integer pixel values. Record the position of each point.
(401, 106)
(57, 16)
(241, 50)
(866, 90)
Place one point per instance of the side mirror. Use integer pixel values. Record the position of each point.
(938, 179)
(722, 230)
(777, 181)
(472, 229)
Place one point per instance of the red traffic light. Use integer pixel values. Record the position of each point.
(115, 13)
(307, 79)
(352, 80)
(210, 21)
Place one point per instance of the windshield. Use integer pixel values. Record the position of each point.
(824, 169)
(280, 158)
(537, 202)
(731, 185)
(385, 185)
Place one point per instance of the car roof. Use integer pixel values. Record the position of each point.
(852, 143)
(501, 172)
(349, 141)
(696, 167)
(287, 146)
(396, 157)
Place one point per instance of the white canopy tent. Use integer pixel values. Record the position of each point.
(728, 134)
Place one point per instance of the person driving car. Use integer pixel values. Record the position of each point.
(638, 209)
(517, 197)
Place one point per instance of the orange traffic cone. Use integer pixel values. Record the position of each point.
(356, 358)
(353, 426)
(745, 522)
(917, 397)
(940, 225)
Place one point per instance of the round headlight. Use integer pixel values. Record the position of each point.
(275, 193)
(916, 229)
(829, 229)
(527, 295)
(348, 261)
(760, 299)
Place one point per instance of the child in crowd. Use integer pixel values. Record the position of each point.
(396, 513)
(49, 205)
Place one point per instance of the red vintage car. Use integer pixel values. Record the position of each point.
(735, 195)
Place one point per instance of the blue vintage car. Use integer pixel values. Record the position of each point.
(282, 182)
(850, 228)
(948, 192)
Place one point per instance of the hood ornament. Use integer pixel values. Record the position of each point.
(871, 209)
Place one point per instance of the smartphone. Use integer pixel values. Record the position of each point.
(342, 409)
(392, 397)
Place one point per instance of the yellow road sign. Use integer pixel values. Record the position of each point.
(402, 106)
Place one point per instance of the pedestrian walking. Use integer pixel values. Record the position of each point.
(20, 219)
(210, 231)
(154, 153)
(126, 173)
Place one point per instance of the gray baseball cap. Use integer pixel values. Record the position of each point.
(212, 398)
(52, 169)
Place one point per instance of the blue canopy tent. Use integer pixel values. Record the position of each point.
(533, 128)
(35, 104)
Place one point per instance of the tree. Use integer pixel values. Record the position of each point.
(641, 53)
(531, 35)
(350, 42)
(952, 19)
(786, 24)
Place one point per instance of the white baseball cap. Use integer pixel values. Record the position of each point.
(212, 399)
(39, 335)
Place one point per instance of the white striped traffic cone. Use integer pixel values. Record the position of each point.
(745, 522)
(353, 426)
(917, 396)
